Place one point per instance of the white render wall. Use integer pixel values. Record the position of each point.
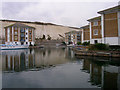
(112, 40)
(92, 41)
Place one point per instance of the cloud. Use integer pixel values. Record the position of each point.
(62, 13)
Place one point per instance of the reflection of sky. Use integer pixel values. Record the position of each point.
(67, 71)
(68, 75)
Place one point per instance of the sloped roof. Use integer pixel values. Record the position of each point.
(19, 25)
(84, 27)
(113, 9)
(95, 19)
(72, 32)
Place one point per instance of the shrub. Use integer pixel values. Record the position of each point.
(49, 38)
(86, 43)
(43, 37)
(30, 45)
(99, 46)
(63, 43)
(78, 43)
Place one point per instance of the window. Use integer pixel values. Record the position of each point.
(95, 32)
(30, 33)
(95, 23)
(15, 28)
(30, 30)
(29, 37)
(16, 37)
(26, 37)
(16, 32)
(22, 30)
(26, 42)
(26, 33)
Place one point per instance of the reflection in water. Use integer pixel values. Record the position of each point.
(93, 72)
(102, 74)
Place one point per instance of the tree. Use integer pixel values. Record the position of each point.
(43, 37)
(49, 38)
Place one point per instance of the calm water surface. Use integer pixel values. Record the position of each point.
(57, 68)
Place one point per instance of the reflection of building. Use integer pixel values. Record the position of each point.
(35, 59)
(20, 60)
(19, 34)
(96, 74)
(73, 37)
(102, 76)
(111, 77)
(86, 66)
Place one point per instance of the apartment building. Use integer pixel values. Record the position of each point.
(110, 25)
(95, 30)
(73, 37)
(85, 33)
(19, 34)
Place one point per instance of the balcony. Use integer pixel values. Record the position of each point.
(22, 30)
(22, 40)
(22, 35)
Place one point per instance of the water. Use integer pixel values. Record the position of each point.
(57, 68)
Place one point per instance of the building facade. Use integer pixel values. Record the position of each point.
(73, 37)
(95, 30)
(85, 33)
(19, 34)
(111, 25)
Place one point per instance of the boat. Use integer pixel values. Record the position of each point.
(10, 47)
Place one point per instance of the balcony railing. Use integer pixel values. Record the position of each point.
(22, 35)
(22, 40)
(22, 30)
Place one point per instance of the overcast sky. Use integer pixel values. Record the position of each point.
(63, 12)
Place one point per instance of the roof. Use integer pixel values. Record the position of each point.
(113, 9)
(19, 25)
(74, 27)
(95, 19)
(72, 32)
(84, 27)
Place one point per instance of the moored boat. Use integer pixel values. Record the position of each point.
(9, 47)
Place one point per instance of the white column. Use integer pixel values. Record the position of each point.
(13, 63)
(119, 28)
(102, 27)
(102, 81)
(33, 36)
(82, 36)
(12, 34)
(8, 34)
(8, 61)
(90, 32)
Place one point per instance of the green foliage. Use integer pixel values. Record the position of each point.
(43, 37)
(78, 43)
(30, 45)
(63, 43)
(86, 43)
(49, 38)
(99, 46)
(35, 45)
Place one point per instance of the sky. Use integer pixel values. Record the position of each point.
(74, 13)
